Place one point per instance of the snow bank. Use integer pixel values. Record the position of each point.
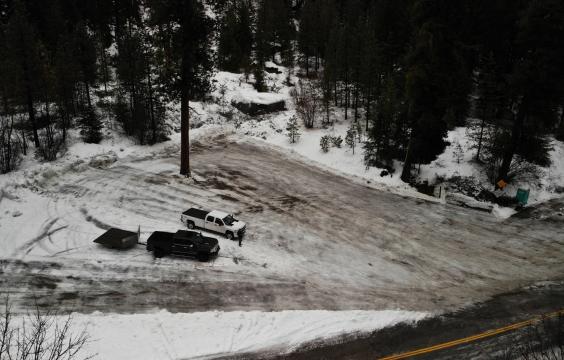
(503, 212)
(254, 97)
(102, 161)
(164, 335)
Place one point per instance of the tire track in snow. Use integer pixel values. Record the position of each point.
(45, 232)
(331, 242)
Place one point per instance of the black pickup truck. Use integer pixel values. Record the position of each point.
(182, 243)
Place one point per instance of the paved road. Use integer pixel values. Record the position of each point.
(497, 312)
(316, 241)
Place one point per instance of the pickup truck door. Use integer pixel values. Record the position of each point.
(210, 223)
(179, 246)
(190, 248)
(183, 247)
(219, 226)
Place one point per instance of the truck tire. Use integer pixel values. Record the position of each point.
(190, 224)
(229, 235)
(158, 253)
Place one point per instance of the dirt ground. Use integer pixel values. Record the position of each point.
(316, 240)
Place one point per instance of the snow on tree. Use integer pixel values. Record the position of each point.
(325, 143)
(337, 141)
(293, 130)
(350, 138)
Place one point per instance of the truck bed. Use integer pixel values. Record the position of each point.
(196, 213)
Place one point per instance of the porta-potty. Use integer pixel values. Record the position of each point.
(523, 196)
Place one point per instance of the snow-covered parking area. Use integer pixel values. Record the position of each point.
(316, 240)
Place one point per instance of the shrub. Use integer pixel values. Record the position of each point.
(51, 141)
(337, 141)
(544, 340)
(307, 103)
(325, 143)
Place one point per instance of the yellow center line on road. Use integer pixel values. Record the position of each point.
(473, 338)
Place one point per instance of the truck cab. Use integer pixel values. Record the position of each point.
(215, 221)
(224, 223)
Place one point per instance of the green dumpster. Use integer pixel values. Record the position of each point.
(522, 196)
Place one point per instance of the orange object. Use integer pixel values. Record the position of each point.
(501, 184)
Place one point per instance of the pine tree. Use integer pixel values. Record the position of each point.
(274, 30)
(350, 138)
(91, 126)
(134, 68)
(487, 105)
(229, 51)
(85, 54)
(325, 143)
(245, 38)
(258, 73)
(67, 75)
(437, 81)
(23, 62)
(293, 130)
(190, 64)
(384, 120)
(307, 39)
(536, 82)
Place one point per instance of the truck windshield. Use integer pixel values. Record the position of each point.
(229, 220)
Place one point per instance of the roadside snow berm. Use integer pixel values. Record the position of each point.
(118, 239)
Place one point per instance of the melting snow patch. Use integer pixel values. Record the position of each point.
(503, 212)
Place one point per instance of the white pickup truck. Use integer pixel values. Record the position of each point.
(216, 221)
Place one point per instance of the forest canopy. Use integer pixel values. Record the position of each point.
(406, 70)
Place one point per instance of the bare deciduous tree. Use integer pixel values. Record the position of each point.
(307, 102)
(40, 335)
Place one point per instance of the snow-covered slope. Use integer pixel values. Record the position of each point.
(548, 183)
